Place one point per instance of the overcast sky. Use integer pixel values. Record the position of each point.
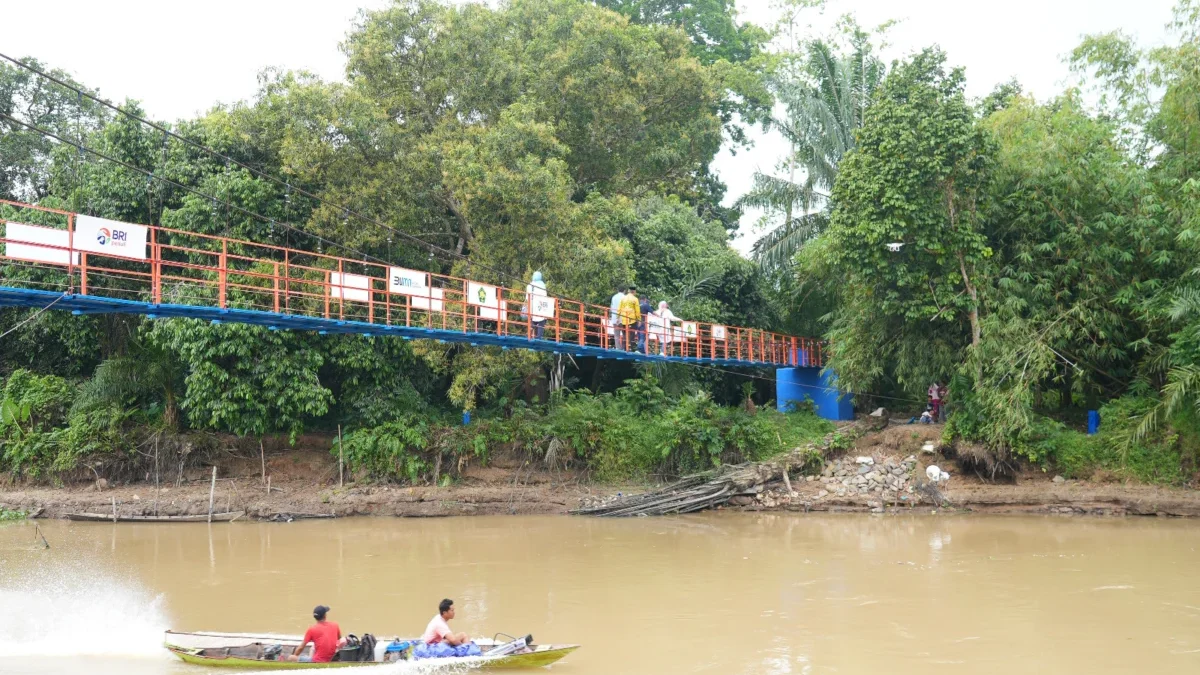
(179, 59)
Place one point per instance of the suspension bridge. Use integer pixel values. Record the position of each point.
(64, 261)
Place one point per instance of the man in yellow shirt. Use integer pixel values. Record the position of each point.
(629, 314)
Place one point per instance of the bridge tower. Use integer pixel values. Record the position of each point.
(792, 385)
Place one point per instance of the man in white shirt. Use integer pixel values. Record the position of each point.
(438, 629)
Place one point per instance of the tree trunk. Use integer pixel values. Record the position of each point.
(975, 332)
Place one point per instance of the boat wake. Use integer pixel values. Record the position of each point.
(68, 610)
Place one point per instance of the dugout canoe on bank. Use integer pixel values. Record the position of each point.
(262, 651)
(202, 518)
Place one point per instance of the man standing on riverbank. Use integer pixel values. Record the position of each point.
(323, 635)
(438, 629)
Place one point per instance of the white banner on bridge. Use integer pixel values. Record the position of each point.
(482, 295)
(432, 302)
(541, 306)
(493, 314)
(37, 244)
(408, 282)
(691, 329)
(718, 332)
(349, 287)
(110, 237)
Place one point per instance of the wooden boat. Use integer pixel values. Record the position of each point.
(245, 650)
(108, 517)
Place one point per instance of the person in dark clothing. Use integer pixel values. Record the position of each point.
(646, 309)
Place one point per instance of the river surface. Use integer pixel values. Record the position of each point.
(714, 593)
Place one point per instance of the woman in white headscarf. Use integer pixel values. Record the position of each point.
(536, 287)
(659, 325)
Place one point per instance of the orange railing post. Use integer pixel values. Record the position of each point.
(341, 291)
(287, 284)
(70, 253)
(222, 271)
(155, 267)
(275, 278)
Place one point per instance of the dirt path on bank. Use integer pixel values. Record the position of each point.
(304, 482)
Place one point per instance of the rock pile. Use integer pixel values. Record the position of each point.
(887, 478)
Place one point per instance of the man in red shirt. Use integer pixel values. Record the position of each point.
(323, 635)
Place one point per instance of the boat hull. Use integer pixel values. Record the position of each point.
(104, 517)
(193, 646)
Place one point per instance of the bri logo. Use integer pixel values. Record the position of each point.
(115, 237)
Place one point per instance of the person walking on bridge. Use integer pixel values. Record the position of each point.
(644, 308)
(630, 314)
(614, 307)
(536, 287)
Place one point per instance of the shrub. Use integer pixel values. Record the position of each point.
(390, 450)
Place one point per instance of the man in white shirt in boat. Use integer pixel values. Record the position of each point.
(438, 629)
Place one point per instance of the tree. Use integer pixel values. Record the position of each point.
(917, 178)
(711, 24)
(25, 169)
(245, 379)
(825, 102)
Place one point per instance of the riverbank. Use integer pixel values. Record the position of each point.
(303, 483)
(894, 480)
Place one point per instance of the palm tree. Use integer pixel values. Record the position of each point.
(825, 102)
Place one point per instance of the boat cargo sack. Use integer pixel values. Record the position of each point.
(441, 650)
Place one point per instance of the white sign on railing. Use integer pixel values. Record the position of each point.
(408, 282)
(349, 287)
(31, 236)
(432, 302)
(541, 306)
(482, 295)
(691, 329)
(718, 332)
(493, 314)
(110, 237)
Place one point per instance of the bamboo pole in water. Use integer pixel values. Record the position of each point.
(262, 456)
(114, 502)
(157, 489)
(212, 491)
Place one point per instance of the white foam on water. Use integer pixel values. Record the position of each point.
(67, 610)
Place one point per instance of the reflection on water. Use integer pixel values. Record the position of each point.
(714, 593)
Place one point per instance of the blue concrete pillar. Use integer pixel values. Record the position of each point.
(793, 384)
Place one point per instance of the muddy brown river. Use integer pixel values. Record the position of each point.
(715, 593)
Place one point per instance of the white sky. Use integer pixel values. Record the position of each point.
(179, 59)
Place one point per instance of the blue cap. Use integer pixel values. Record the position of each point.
(537, 276)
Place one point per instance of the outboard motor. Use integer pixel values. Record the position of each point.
(510, 647)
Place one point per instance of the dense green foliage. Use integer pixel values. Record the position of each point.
(1040, 259)
(637, 432)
